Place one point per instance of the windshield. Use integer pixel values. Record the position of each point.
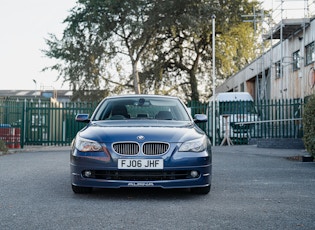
(143, 108)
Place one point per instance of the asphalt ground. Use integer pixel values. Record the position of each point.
(252, 188)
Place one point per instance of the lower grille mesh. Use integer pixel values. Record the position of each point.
(141, 175)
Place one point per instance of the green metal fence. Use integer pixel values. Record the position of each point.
(280, 118)
(48, 122)
(241, 121)
(40, 122)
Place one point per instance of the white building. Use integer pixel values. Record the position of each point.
(295, 53)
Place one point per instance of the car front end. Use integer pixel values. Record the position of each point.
(137, 153)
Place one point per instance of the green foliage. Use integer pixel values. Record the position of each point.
(151, 46)
(186, 49)
(309, 125)
(3, 147)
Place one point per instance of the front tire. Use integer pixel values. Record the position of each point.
(81, 190)
(201, 190)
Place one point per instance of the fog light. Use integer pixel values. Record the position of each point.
(194, 174)
(87, 173)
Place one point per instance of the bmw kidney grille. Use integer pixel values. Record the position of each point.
(148, 148)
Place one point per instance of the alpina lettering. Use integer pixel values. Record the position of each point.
(141, 184)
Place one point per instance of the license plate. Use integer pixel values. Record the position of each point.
(140, 163)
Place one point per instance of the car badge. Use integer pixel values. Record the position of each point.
(140, 138)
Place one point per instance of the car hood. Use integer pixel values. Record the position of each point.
(165, 132)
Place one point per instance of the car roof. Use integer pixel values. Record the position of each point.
(140, 95)
(232, 96)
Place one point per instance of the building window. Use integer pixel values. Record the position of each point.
(277, 69)
(242, 87)
(310, 53)
(296, 60)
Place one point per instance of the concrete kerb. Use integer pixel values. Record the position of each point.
(36, 148)
(292, 154)
(50, 148)
(253, 149)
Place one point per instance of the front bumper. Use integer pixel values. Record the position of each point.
(177, 171)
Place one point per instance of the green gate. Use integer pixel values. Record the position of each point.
(53, 123)
(40, 122)
(243, 120)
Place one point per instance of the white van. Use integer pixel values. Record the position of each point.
(235, 115)
(233, 96)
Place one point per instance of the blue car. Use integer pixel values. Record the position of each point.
(141, 141)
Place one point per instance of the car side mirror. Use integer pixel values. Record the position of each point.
(82, 118)
(199, 118)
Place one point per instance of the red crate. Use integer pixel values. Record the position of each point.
(11, 137)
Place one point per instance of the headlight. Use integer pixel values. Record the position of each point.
(196, 145)
(85, 145)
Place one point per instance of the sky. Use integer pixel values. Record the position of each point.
(24, 26)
